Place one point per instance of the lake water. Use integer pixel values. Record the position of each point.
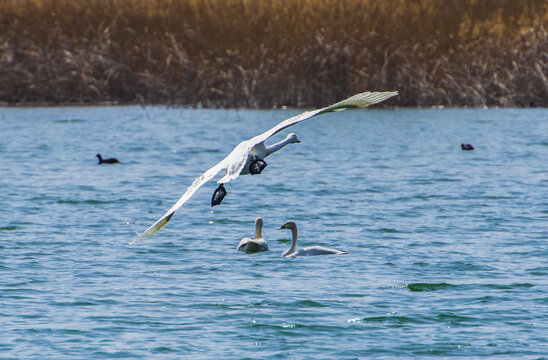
(448, 249)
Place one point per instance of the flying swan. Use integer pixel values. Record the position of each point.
(307, 251)
(257, 244)
(248, 156)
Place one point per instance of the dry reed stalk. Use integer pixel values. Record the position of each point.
(246, 53)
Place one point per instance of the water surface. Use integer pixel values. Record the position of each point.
(447, 248)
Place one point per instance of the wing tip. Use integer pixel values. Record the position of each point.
(135, 240)
(362, 100)
(157, 226)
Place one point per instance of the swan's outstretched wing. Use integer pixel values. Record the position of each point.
(233, 164)
(205, 177)
(360, 100)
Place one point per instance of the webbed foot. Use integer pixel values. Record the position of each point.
(257, 166)
(218, 195)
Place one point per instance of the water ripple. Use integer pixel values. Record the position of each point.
(447, 252)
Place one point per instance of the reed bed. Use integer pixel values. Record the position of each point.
(250, 53)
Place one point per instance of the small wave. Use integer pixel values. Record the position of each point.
(309, 303)
(75, 303)
(422, 182)
(442, 348)
(400, 320)
(296, 304)
(353, 295)
(455, 319)
(290, 325)
(90, 202)
(70, 121)
(509, 286)
(494, 197)
(73, 331)
(164, 349)
(8, 228)
(416, 287)
(464, 266)
(425, 197)
(72, 202)
(371, 190)
(195, 150)
(543, 300)
(539, 271)
(448, 180)
(32, 316)
(276, 327)
(391, 318)
(486, 299)
(389, 231)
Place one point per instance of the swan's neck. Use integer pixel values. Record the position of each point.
(293, 247)
(277, 146)
(258, 234)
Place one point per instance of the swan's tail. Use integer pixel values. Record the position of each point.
(361, 100)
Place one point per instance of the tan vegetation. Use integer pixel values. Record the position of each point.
(264, 53)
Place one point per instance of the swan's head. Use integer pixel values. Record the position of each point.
(292, 138)
(289, 225)
(98, 155)
(258, 221)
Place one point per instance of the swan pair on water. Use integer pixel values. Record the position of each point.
(258, 244)
(248, 156)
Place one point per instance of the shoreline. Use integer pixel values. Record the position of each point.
(194, 107)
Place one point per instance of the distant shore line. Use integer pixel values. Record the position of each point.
(199, 107)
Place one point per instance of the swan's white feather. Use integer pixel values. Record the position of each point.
(316, 250)
(307, 251)
(235, 161)
(252, 245)
(257, 244)
(357, 101)
(160, 223)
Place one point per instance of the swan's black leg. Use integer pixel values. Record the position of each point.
(218, 195)
(257, 166)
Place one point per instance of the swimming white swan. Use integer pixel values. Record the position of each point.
(248, 156)
(307, 251)
(254, 245)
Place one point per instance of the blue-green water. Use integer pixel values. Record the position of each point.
(448, 251)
